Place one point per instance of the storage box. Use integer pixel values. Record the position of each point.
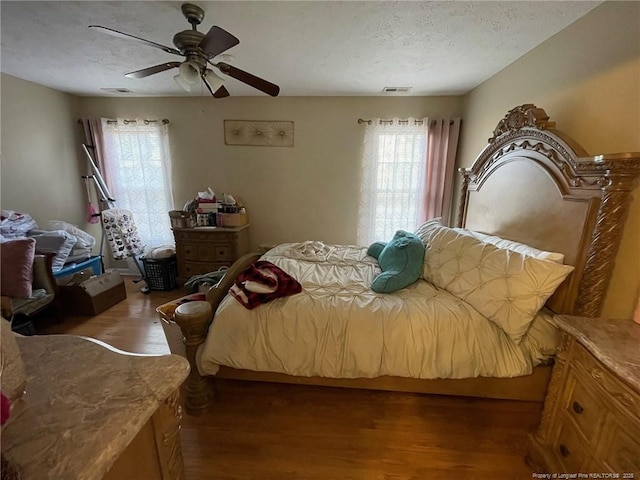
(182, 219)
(232, 219)
(87, 268)
(207, 208)
(161, 273)
(93, 296)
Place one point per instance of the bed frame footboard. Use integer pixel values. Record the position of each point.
(194, 324)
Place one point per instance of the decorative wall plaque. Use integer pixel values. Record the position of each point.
(258, 133)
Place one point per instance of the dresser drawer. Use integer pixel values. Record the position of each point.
(206, 252)
(569, 448)
(621, 445)
(208, 237)
(188, 252)
(581, 405)
(223, 253)
(597, 374)
(188, 269)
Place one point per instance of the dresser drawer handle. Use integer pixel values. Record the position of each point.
(626, 399)
(577, 408)
(564, 451)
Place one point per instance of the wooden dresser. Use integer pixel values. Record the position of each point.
(93, 412)
(591, 417)
(203, 250)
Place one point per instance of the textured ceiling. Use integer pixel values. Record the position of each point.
(306, 47)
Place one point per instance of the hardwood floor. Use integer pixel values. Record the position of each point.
(272, 431)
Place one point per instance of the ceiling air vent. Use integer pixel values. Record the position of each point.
(116, 90)
(396, 89)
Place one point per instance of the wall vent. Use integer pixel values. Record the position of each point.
(396, 89)
(116, 90)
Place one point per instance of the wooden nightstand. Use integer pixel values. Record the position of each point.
(203, 250)
(591, 417)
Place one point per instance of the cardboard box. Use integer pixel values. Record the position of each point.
(93, 296)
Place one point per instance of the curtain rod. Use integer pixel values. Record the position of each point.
(164, 121)
(419, 122)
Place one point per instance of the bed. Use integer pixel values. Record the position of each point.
(531, 184)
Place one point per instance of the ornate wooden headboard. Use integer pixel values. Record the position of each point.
(535, 185)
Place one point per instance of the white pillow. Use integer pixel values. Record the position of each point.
(58, 242)
(515, 246)
(424, 230)
(507, 287)
(84, 240)
(542, 338)
(500, 242)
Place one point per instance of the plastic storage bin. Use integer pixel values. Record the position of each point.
(161, 273)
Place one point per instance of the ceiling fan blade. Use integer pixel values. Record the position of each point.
(217, 41)
(145, 72)
(221, 92)
(245, 77)
(116, 33)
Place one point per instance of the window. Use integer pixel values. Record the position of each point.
(393, 170)
(138, 169)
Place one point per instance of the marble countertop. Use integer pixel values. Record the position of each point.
(616, 343)
(83, 404)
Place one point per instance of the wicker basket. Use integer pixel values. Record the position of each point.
(161, 273)
(182, 219)
(232, 219)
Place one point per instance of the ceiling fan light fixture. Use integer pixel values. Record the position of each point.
(214, 80)
(180, 81)
(189, 72)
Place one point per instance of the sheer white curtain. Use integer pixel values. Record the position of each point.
(138, 168)
(393, 171)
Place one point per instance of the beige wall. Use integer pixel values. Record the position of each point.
(587, 78)
(306, 192)
(41, 169)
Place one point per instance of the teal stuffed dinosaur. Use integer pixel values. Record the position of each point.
(401, 261)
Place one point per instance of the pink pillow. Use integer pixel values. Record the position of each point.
(16, 264)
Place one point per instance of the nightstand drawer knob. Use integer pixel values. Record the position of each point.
(564, 451)
(577, 408)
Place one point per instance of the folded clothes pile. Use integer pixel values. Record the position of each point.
(68, 243)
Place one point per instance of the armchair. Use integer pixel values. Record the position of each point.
(21, 310)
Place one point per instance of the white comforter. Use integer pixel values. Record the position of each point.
(338, 327)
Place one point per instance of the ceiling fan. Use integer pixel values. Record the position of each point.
(198, 49)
